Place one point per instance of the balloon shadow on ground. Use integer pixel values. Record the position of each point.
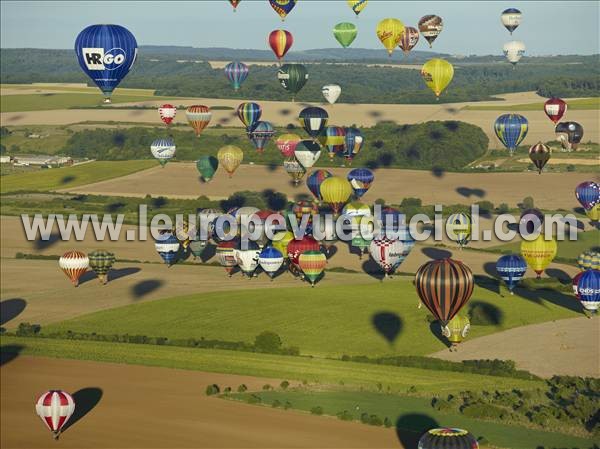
(436, 330)
(467, 192)
(41, 243)
(411, 426)
(436, 253)
(146, 287)
(438, 172)
(555, 297)
(85, 400)
(372, 269)
(330, 251)
(272, 166)
(87, 276)
(113, 274)
(491, 282)
(10, 309)
(67, 179)
(560, 275)
(9, 352)
(209, 252)
(484, 314)
(388, 324)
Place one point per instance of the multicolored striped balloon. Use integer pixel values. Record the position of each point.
(260, 134)
(448, 438)
(540, 155)
(334, 140)
(198, 117)
(280, 42)
(408, 40)
(236, 73)
(101, 262)
(282, 7)
(589, 260)
(511, 129)
(360, 179)
(249, 114)
(357, 5)
(312, 263)
(74, 264)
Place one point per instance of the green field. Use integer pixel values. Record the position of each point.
(66, 177)
(326, 321)
(321, 371)
(404, 411)
(583, 104)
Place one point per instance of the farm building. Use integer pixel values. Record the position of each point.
(5, 159)
(41, 160)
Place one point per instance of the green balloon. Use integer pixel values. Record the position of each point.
(345, 33)
(292, 77)
(207, 166)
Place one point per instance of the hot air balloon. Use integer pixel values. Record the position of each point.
(511, 269)
(235, 4)
(360, 179)
(292, 77)
(331, 92)
(281, 241)
(514, 51)
(458, 228)
(167, 113)
(106, 53)
(225, 253)
(389, 32)
(356, 211)
(287, 144)
(236, 73)
(437, 74)
(391, 221)
(197, 247)
(408, 40)
(249, 114)
(55, 407)
(163, 150)
(307, 153)
(588, 290)
(456, 331)
(270, 260)
(230, 157)
(390, 253)
(294, 169)
(430, 27)
(101, 262)
(167, 246)
(302, 208)
(314, 181)
(588, 194)
(260, 135)
(282, 7)
(589, 260)
(555, 108)
(345, 33)
(247, 258)
(336, 192)
(74, 264)
(511, 129)
(312, 263)
(594, 213)
(575, 283)
(540, 155)
(206, 224)
(569, 134)
(444, 286)
(334, 140)
(198, 117)
(280, 42)
(296, 247)
(538, 253)
(353, 143)
(448, 438)
(314, 120)
(357, 5)
(511, 19)
(207, 166)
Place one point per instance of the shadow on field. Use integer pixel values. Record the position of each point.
(85, 401)
(411, 426)
(87, 276)
(143, 288)
(372, 269)
(560, 275)
(388, 324)
(209, 252)
(438, 172)
(43, 243)
(10, 309)
(9, 352)
(436, 330)
(436, 253)
(491, 282)
(552, 296)
(67, 179)
(330, 251)
(484, 314)
(467, 192)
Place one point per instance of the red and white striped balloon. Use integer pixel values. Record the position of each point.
(167, 113)
(55, 407)
(74, 264)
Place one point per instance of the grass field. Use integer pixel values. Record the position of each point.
(327, 321)
(328, 372)
(403, 411)
(583, 104)
(50, 101)
(65, 177)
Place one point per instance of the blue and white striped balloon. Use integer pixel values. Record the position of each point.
(163, 150)
(106, 53)
(511, 269)
(236, 73)
(167, 246)
(588, 289)
(511, 129)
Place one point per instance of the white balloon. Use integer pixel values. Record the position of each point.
(247, 260)
(307, 158)
(331, 92)
(514, 51)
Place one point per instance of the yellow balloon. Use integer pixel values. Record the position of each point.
(538, 253)
(437, 74)
(336, 191)
(281, 241)
(457, 329)
(357, 5)
(230, 157)
(594, 213)
(389, 32)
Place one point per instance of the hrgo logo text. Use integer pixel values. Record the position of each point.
(98, 59)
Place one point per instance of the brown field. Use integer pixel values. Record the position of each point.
(222, 64)
(283, 113)
(565, 347)
(552, 190)
(146, 407)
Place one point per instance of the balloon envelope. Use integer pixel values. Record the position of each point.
(312, 263)
(292, 77)
(360, 179)
(409, 38)
(249, 114)
(589, 260)
(260, 135)
(538, 253)
(539, 155)
(331, 92)
(389, 32)
(314, 120)
(514, 51)
(198, 117)
(101, 262)
(448, 438)
(207, 166)
(314, 181)
(167, 113)
(511, 129)
(569, 134)
(437, 74)
(286, 143)
(357, 5)
(430, 27)
(230, 157)
(336, 191)
(555, 108)
(282, 7)
(588, 194)
(74, 264)
(54, 408)
(307, 153)
(511, 19)
(511, 269)
(588, 289)
(280, 42)
(345, 33)
(236, 73)
(163, 150)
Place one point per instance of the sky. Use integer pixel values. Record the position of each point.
(470, 27)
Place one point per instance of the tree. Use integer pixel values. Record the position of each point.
(268, 341)
(284, 385)
(527, 203)
(212, 390)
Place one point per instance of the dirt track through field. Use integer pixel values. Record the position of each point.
(128, 406)
(568, 347)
